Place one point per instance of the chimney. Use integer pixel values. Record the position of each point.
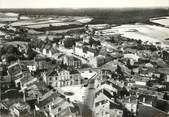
(38, 99)
(144, 99)
(129, 100)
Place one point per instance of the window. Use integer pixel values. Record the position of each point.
(50, 78)
(59, 109)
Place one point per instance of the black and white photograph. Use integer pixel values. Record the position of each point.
(84, 58)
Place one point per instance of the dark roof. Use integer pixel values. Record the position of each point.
(163, 70)
(48, 47)
(53, 50)
(72, 58)
(27, 62)
(107, 94)
(49, 99)
(112, 84)
(162, 105)
(112, 105)
(27, 78)
(74, 72)
(147, 111)
(115, 106)
(52, 73)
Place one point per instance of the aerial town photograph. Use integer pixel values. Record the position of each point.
(84, 58)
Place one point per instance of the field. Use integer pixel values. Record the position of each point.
(161, 20)
(144, 32)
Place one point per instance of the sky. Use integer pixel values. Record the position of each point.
(82, 3)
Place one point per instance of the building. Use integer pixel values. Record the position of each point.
(25, 81)
(85, 52)
(105, 74)
(43, 64)
(72, 62)
(164, 73)
(131, 104)
(111, 86)
(15, 70)
(30, 64)
(141, 81)
(63, 77)
(57, 105)
(97, 61)
(165, 56)
(6, 83)
(105, 105)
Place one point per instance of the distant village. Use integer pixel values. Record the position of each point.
(65, 67)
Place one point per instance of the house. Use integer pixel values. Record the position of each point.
(57, 105)
(86, 39)
(112, 65)
(133, 57)
(135, 69)
(147, 100)
(146, 91)
(75, 78)
(63, 77)
(110, 85)
(25, 81)
(72, 62)
(162, 105)
(164, 73)
(79, 43)
(8, 106)
(47, 50)
(148, 111)
(165, 56)
(97, 60)
(106, 73)
(51, 77)
(3, 106)
(131, 104)
(43, 64)
(107, 108)
(141, 81)
(85, 52)
(6, 83)
(36, 90)
(30, 64)
(105, 104)
(15, 70)
(146, 71)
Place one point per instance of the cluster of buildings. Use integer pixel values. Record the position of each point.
(115, 76)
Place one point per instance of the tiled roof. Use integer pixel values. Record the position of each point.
(54, 96)
(163, 70)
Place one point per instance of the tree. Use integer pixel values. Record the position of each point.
(68, 43)
(118, 70)
(129, 64)
(139, 42)
(120, 73)
(166, 97)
